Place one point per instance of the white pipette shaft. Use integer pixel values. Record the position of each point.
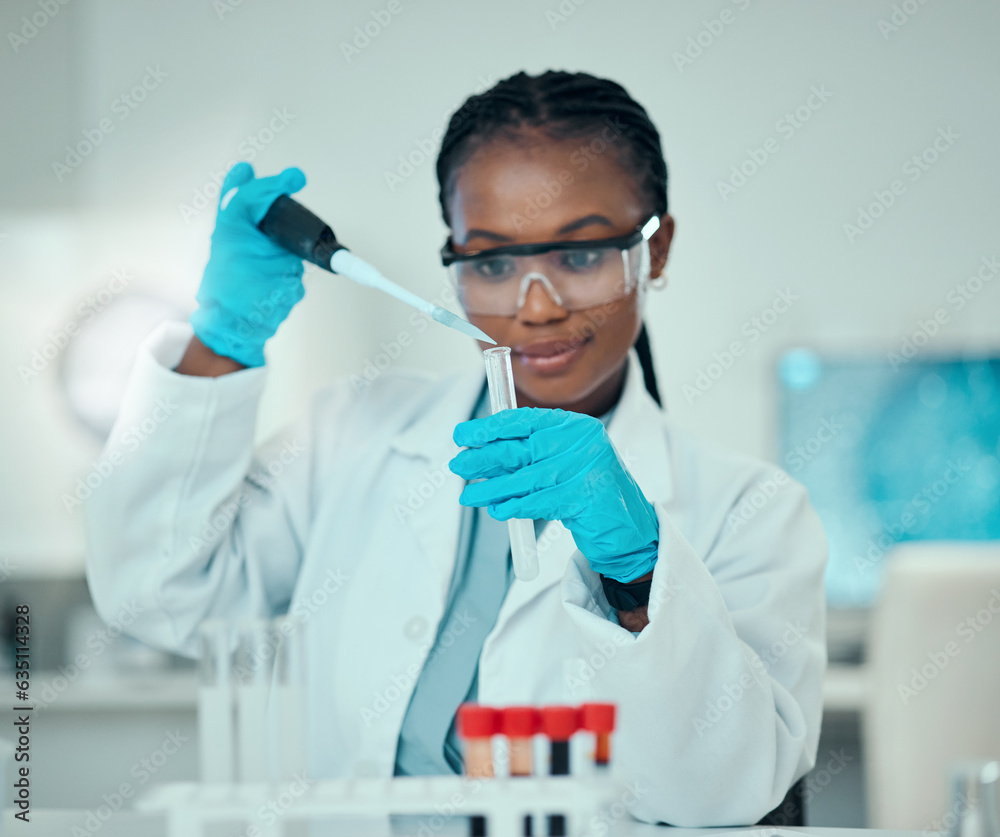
(358, 270)
(500, 380)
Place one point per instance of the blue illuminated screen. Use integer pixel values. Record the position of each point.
(891, 450)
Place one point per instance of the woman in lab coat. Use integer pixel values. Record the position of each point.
(680, 581)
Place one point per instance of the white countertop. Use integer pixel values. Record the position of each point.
(845, 689)
(58, 823)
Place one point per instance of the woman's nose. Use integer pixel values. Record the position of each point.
(540, 305)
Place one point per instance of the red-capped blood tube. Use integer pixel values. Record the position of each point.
(520, 724)
(477, 725)
(558, 723)
(599, 718)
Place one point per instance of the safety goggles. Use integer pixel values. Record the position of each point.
(576, 274)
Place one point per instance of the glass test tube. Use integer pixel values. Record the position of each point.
(253, 664)
(215, 702)
(500, 380)
(973, 800)
(288, 709)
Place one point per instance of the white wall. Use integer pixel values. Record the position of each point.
(783, 229)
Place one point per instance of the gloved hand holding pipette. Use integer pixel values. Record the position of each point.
(250, 283)
(558, 465)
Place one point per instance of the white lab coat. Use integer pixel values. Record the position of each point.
(351, 517)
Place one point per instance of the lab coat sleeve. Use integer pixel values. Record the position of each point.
(191, 522)
(720, 695)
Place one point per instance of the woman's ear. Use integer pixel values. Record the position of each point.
(659, 245)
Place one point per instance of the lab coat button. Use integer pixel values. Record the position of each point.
(365, 769)
(415, 628)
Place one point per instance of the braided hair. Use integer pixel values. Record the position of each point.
(560, 105)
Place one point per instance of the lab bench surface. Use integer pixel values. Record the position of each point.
(50, 823)
(845, 689)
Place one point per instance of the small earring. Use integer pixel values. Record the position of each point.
(659, 282)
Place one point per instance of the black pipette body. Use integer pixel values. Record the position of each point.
(290, 224)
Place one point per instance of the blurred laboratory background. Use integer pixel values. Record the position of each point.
(833, 306)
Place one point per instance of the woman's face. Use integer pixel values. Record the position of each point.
(573, 360)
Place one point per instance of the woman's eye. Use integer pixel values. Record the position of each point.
(580, 260)
(494, 269)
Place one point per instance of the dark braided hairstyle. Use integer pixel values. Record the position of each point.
(560, 105)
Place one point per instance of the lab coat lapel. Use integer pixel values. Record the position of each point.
(435, 524)
(636, 430)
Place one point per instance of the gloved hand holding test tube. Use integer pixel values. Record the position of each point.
(500, 380)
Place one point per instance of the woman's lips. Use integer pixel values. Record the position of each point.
(550, 356)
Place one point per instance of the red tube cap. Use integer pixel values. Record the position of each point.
(597, 717)
(559, 722)
(475, 721)
(519, 721)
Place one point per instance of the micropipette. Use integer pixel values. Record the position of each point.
(500, 381)
(309, 237)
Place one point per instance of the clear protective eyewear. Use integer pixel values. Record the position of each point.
(576, 274)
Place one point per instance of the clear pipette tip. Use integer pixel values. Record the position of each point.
(454, 321)
(358, 270)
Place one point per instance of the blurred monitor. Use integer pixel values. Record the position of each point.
(891, 449)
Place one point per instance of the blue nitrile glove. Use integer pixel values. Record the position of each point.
(250, 283)
(557, 465)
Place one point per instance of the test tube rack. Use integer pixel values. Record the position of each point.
(504, 801)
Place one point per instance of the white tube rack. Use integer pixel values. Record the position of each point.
(503, 801)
